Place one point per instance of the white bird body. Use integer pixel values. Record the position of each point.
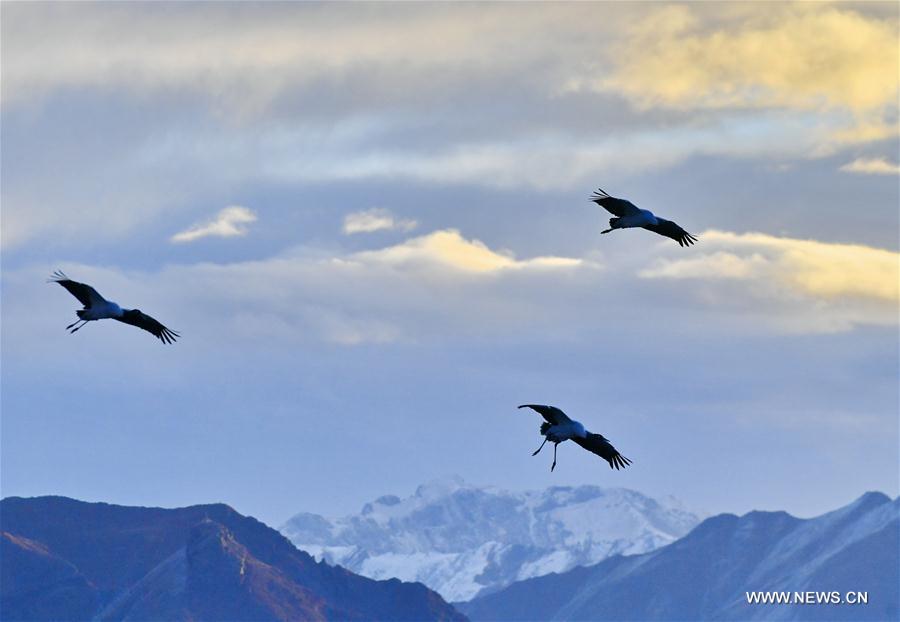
(101, 311)
(565, 431)
(642, 218)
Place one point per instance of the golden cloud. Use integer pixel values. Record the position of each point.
(804, 56)
(449, 248)
(817, 269)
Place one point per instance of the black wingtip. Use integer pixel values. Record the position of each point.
(599, 194)
(687, 240)
(57, 276)
(168, 336)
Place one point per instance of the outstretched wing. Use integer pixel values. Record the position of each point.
(137, 318)
(671, 230)
(616, 207)
(552, 414)
(85, 294)
(597, 444)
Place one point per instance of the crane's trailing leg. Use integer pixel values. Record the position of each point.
(74, 323)
(539, 448)
(74, 330)
(612, 225)
(553, 466)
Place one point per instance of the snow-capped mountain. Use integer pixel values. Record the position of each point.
(463, 540)
(707, 574)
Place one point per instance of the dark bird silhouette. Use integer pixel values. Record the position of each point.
(558, 427)
(96, 307)
(628, 215)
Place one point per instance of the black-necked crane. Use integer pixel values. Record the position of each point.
(628, 215)
(96, 307)
(558, 427)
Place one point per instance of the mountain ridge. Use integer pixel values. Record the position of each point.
(706, 574)
(208, 562)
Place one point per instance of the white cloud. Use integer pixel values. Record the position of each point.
(229, 222)
(376, 219)
(871, 166)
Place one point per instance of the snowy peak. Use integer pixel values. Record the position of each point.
(461, 539)
(705, 575)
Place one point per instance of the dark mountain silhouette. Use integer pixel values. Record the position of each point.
(705, 575)
(35, 584)
(64, 559)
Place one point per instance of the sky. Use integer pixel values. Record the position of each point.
(370, 224)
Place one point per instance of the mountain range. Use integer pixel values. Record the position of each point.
(706, 575)
(63, 559)
(463, 540)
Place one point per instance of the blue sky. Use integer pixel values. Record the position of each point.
(370, 224)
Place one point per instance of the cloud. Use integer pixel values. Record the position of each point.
(858, 284)
(227, 223)
(806, 57)
(445, 289)
(871, 166)
(242, 99)
(247, 59)
(553, 160)
(376, 219)
(792, 56)
(448, 248)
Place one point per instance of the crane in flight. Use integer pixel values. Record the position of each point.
(96, 307)
(558, 427)
(628, 215)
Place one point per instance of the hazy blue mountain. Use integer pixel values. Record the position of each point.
(462, 540)
(69, 560)
(704, 576)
